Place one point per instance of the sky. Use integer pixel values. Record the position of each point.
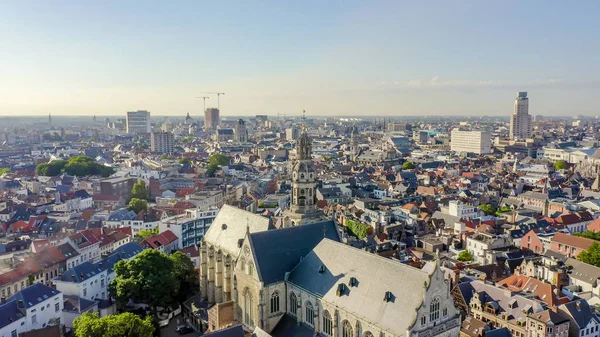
(342, 58)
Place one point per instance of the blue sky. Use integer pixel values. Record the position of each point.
(328, 57)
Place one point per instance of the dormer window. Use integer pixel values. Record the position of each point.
(388, 296)
(321, 269)
(341, 289)
(353, 282)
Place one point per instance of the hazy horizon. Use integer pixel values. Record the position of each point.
(339, 58)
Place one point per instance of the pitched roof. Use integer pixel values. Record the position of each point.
(34, 294)
(580, 311)
(375, 275)
(279, 251)
(571, 240)
(229, 227)
(234, 331)
(9, 313)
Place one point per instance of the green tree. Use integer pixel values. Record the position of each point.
(138, 205)
(4, 170)
(465, 256)
(185, 161)
(589, 235)
(139, 190)
(502, 209)
(144, 234)
(560, 165)
(76, 166)
(357, 229)
(122, 325)
(591, 255)
(185, 273)
(488, 209)
(148, 278)
(215, 161)
(51, 169)
(408, 166)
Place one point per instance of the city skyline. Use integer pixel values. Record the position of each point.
(467, 59)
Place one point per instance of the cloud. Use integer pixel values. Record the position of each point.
(438, 82)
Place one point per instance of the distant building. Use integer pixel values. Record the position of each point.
(225, 135)
(241, 134)
(421, 137)
(162, 142)
(520, 121)
(211, 118)
(292, 133)
(478, 142)
(138, 122)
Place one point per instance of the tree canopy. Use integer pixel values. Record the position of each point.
(144, 234)
(185, 161)
(139, 190)
(465, 256)
(148, 278)
(4, 170)
(76, 166)
(185, 273)
(591, 255)
(357, 229)
(138, 205)
(122, 325)
(488, 209)
(215, 161)
(408, 166)
(560, 165)
(589, 235)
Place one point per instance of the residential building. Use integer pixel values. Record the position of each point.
(569, 245)
(165, 242)
(138, 122)
(120, 187)
(484, 247)
(478, 142)
(521, 126)
(162, 142)
(584, 322)
(191, 226)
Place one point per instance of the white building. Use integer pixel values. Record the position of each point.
(189, 227)
(162, 142)
(520, 121)
(138, 121)
(32, 308)
(479, 142)
(463, 210)
(484, 247)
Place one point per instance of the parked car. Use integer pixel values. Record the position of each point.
(184, 329)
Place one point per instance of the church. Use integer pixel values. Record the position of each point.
(301, 280)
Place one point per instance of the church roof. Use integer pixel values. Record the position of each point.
(229, 227)
(279, 251)
(331, 264)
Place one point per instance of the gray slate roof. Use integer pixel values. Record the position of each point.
(582, 315)
(279, 251)
(234, 331)
(235, 221)
(375, 275)
(34, 294)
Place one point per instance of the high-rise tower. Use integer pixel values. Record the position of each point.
(520, 121)
(354, 150)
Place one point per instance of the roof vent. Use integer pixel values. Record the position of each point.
(353, 282)
(341, 289)
(321, 269)
(224, 226)
(388, 297)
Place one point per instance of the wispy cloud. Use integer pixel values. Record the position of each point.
(438, 82)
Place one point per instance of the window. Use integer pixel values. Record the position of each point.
(102, 283)
(293, 304)
(327, 323)
(347, 329)
(434, 309)
(250, 269)
(310, 314)
(56, 307)
(33, 319)
(423, 320)
(445, 312)
(248, 312)
(84, 292)
(549, 330)
(13, 333)
(368, 334)
(275, 302)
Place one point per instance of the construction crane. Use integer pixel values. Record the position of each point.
(218, 97)
(204, 101)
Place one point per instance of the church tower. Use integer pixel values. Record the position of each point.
(303, 199)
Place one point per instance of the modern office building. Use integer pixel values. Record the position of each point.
(520, 122)
(138, 122)
(211, 118)
(292, 133)
(478, 142)
(241, 133)
(162, 142)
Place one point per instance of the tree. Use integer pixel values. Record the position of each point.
(465, 256)
(76, 166)
(4, 170)
(51, 169)
(589, 235)
(357, 229)
(185, 161)
(560, 165)
(185, 273)
(138, 205)
(122, 325)
(147, 278)
(144, 234)
(139, 190)
(488, 209)
(591, 255)
(215, 161)
(408, 166)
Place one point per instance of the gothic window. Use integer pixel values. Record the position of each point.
(275, 302)
(310, 314)
(293, 304)
(248, 314)
(302, 192)
(347, 329)
(310, 176)
(423, 320)
(368, 334)
(243, 265)
(434, 309)
(327, 324)
(445, 312)
(250, 269)
(302, 176)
